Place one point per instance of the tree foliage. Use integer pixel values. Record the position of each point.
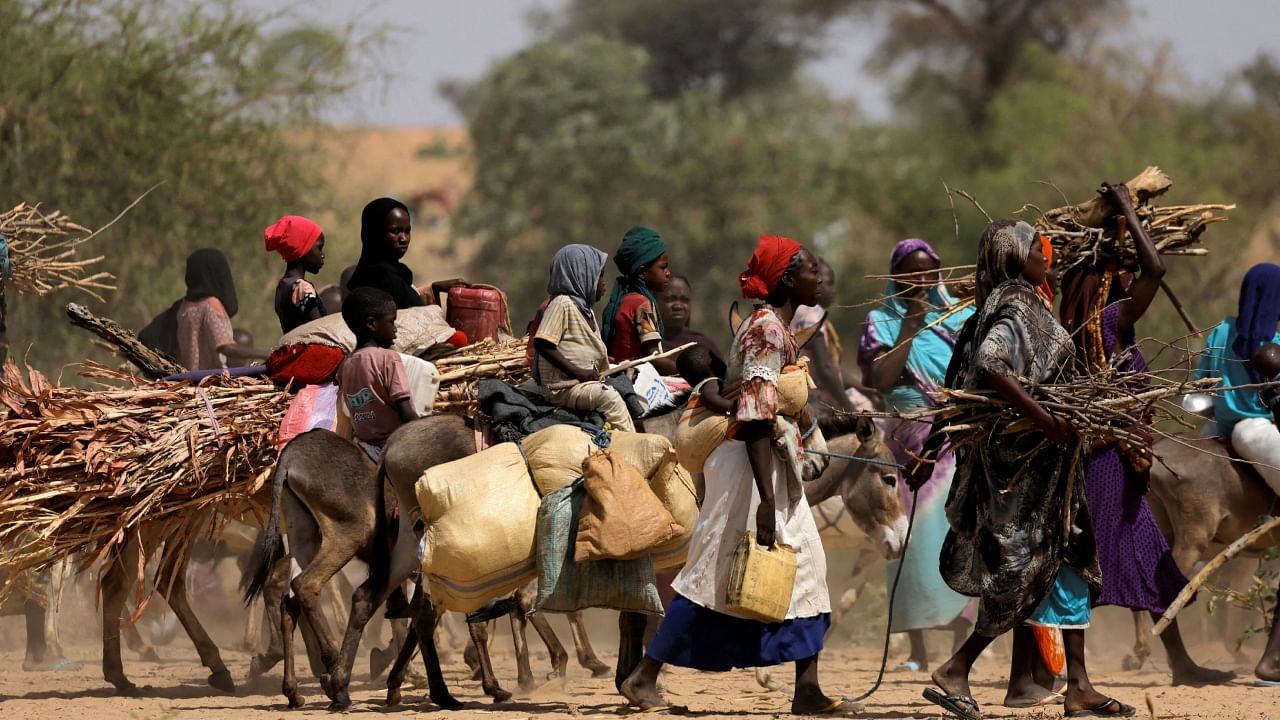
(102, 99)
(1022, 104)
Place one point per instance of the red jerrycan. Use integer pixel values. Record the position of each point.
(477, 310)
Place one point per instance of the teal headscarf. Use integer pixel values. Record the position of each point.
(641, 247)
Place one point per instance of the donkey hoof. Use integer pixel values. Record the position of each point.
(222, 681)
(296, 702)
(446, 701)
(393, 697)
(341, 701)
(124, 688)
(500, 696)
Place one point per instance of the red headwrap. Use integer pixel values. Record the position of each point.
(1046, 288)
(768, 263)
(292, 236)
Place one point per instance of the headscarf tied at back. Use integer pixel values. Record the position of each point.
(292, 236)
(640, 248)
(1258, 314)
(208, 275)
(379, 266)
(767, 264)
(1002, 253)
(575, 272)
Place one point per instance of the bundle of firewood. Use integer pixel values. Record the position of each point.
(1106, 405)
(85, 469)
(42, 253)
(486, 359)
(1083, 234)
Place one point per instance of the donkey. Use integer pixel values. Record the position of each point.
(1201, 496)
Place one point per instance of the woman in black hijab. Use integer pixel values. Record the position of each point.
(197, 329)
(385, 228)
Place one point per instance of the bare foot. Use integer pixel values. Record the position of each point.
(1268, 669)
(815, 702)
(1033, 696)
(1196, 676)
(641, 693)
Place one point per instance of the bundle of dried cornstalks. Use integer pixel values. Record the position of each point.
(1105, 405)
(1082, 234)
(486, 359)
(85, 470)
(42, 253)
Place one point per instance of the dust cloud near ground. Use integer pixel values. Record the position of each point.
(176, 685)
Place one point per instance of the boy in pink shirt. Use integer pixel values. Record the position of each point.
(372, 378)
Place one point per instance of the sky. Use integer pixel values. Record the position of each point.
(431, 41)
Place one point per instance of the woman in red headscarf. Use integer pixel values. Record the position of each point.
(300, 242)
(752, 485)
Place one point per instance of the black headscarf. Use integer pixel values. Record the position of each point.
(208, 275)
(379, 267)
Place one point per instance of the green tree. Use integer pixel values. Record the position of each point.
(103, 99)
(570, 145)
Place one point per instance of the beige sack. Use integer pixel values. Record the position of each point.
(556, 454)
(621, 518)
(417, 329)
(675, 490)
(481, 514)
(698, 434)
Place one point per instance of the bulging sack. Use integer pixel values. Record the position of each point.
(675, 490)
(565, 585)
(481, 515)
(622, 518)
(698, 434)
(556, 454)
(417, 329)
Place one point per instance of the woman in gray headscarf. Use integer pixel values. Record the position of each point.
(1020, 540)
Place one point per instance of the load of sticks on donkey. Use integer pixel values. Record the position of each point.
(403, 454)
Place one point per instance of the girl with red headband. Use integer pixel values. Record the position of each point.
(301, 243)
(752, 484)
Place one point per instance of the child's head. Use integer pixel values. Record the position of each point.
(298, 240)
(1267, 361)
(370, 314)
(331, 299)
(695, 364)
(242, 336)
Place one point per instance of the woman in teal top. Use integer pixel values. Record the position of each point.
(1229, 351)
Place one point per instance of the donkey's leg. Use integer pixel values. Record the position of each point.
(519, 638)
(525, 597)
(290, 610)
(488, 680)
(371, 595)
(582, 644)
(114, 589)
(171, 581)
(426, 620)
(400, 667)
(272, 598)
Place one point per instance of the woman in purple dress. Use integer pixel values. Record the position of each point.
(1101, 304)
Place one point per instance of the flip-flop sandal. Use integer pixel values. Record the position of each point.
(908, 666)
(1103, 710)
(1047, 701)
(961, 706)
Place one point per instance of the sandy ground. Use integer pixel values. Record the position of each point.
(177, 689)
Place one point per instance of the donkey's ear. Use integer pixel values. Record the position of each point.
(804, 336)
(735, 319)
(865, 428)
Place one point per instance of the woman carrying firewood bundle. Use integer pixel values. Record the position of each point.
(1021, 539)
(1101, 304)
(751, 484)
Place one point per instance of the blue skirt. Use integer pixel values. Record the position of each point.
(1067, 604)
(695, 637)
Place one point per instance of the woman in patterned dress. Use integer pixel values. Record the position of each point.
(752, 483)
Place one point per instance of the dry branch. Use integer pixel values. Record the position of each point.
(42, 253)
(154, 365)
(1209, 569)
